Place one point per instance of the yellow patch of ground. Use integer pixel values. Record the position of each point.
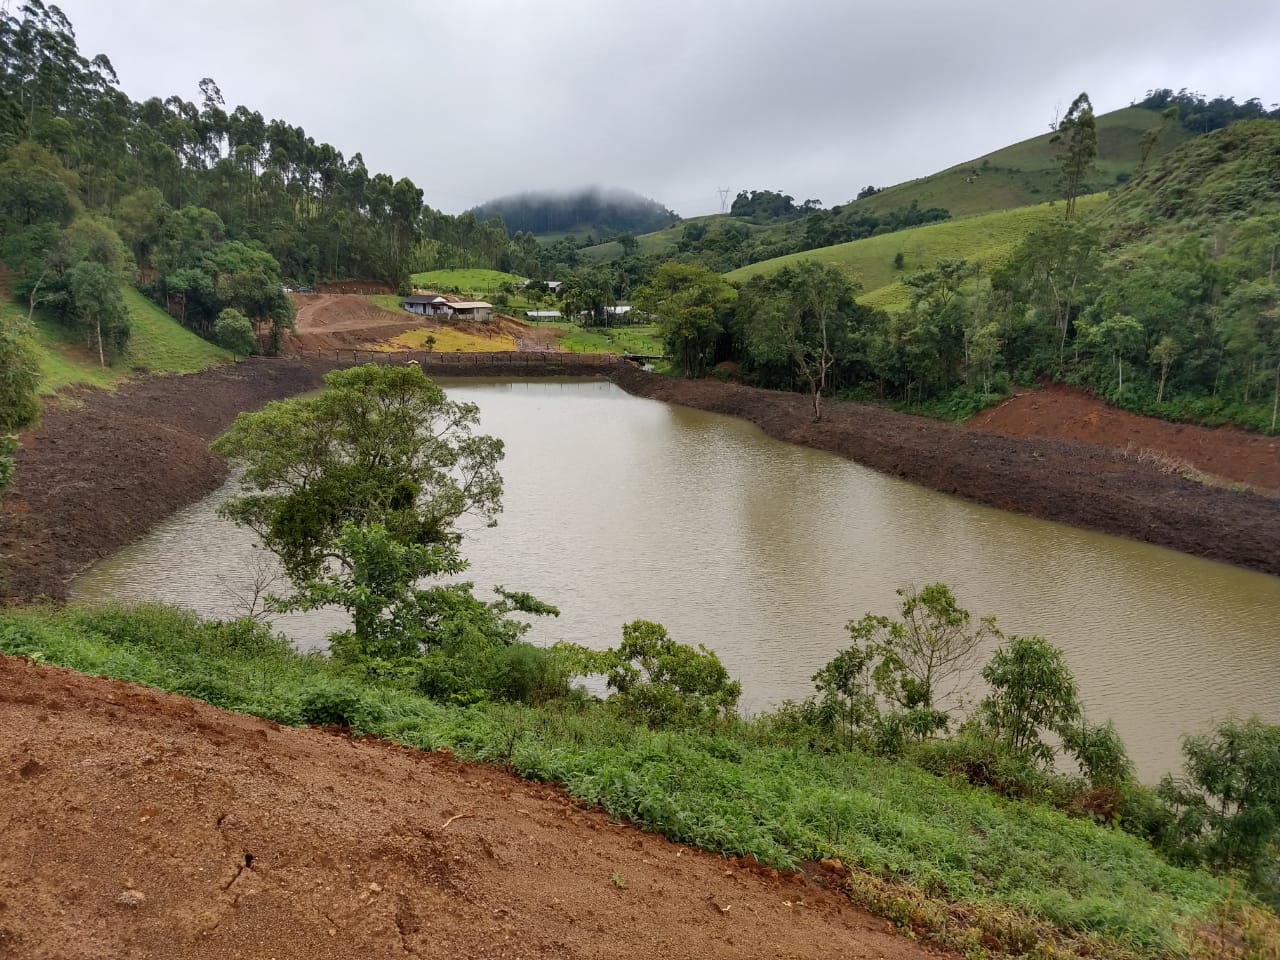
(448, 340)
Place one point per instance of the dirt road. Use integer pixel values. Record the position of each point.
(144, 825)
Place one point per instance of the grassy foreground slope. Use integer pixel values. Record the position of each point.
(953, 861)
(988, 239)
(1028, 172)
(157, 344)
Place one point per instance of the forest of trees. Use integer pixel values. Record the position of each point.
(1199, 114)
(205, 207)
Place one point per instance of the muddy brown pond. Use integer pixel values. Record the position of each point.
(618, 508)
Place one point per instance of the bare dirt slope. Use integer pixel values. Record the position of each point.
(336, 320)
(141, 824)
(1063, 412)
(328, 321)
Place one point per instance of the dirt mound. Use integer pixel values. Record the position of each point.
(342, 321)
(1068, 413)
(141, 824)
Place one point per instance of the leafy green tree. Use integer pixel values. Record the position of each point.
(847, 693)
(800, 316)
(1032, 693)
(918, 662)
(19, 376)
(1121, 335)
(1163, 354)
(234, 331)
(689, 302)
(8, 444)
(1226, 805)
(666, 683)
(1077, 137)
(1048, 279)
(98, 309)
(380, 444)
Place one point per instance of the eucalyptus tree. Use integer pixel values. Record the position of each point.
(1077, 137)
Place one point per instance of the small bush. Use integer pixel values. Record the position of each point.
(664, 683)
(337, 705)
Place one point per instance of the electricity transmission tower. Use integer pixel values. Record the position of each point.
(724, 198)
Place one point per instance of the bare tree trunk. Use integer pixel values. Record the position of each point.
(1275, 400)
(102, 359)
(1164, 373)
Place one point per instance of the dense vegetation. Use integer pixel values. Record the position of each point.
(206, 208)
(593, 210)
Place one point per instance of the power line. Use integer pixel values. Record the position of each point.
(724, 198)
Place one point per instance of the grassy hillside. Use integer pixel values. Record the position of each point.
(1027, 172)
(1206, 188)
(474, 281)
(157, 344)
(988, 239)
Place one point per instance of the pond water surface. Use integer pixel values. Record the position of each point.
(619, 508)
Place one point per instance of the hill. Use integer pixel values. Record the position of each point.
(1027, 172)
(157, 344)
(988, 239)
(590, 209)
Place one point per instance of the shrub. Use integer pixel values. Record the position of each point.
(337, 704)
(664, 683)
(1226, 807)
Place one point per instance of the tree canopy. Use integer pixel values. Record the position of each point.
(381, 445)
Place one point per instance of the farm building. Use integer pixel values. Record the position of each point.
(543, 314)
(428, 306)
(471, 310)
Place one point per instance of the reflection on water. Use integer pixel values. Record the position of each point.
(618, 508)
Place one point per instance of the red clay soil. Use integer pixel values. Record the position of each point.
(145, 825)
(1063, 412)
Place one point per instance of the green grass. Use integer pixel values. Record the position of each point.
(640, 338)
(1027, 172)
(919, 842)
(472, 281)
(987, 239)
(157, 344)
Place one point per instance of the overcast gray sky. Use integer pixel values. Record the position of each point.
(472, 99)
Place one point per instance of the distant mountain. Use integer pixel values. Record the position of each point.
(591, 210)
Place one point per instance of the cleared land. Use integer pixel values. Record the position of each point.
(987, 239)
(352, 322)
(142, 824)
(1067, 413)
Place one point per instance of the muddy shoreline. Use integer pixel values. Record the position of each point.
(102, 468)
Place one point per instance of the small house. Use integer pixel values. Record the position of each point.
(542, 314)
(428, 305)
